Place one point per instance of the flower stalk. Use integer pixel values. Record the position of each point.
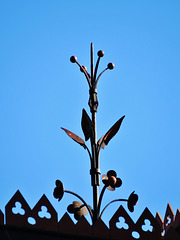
(110, 180)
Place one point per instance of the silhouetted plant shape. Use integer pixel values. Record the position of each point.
(74, 137)
(110, 134)
(59, 190)
(111, 181)
(87, 125)
(78, 209)
(132, 201)
(89, 130)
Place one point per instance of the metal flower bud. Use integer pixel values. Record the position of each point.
(73, 59)
(100, 53)
(132, 201)
(59, 190)
(111, 181)
(110, 66)
(78, 209)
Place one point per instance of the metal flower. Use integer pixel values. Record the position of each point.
(111, 181)
(78, 209)
(132, 201)
(59, 190)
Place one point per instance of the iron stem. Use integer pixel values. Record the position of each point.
(95, 162)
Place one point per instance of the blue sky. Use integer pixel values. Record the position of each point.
(41, 91)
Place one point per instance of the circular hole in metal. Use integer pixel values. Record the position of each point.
(31, 220)
(135, 235)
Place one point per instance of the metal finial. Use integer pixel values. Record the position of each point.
(88, 125)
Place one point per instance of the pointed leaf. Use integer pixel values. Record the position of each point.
(87, 125)
(75, 137)
(101, 142)
(112, 131)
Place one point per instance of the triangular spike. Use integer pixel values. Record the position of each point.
(45, 215)
(169, 217)
(121, 233)
(147, 226)
(177, 218)
(66, 225)
(83, 227)
(100, 229)
(160, 221)
(17, 211)
(1, 218)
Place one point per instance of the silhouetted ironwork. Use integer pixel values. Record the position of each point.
(89, 129)
(42, 222)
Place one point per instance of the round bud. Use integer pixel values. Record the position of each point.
(111, 173)
(58, 183)
(112, 180)
(110, 66)
(73, 59)
(100, 53)
(70, 208)
(84, 67)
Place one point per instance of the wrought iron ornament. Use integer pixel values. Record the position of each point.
(88, 124)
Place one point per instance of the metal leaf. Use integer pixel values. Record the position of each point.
(75, 137)
(101, 142)
(87, 125)
(112, 131)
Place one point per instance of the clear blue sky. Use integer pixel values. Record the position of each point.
(41, 91)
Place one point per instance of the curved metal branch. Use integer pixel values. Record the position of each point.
(88, 208)
(99, 147)
(100, 75)
(89, 153)
(100, 198)
(116, 200)
(85, 73)
(96, 68)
